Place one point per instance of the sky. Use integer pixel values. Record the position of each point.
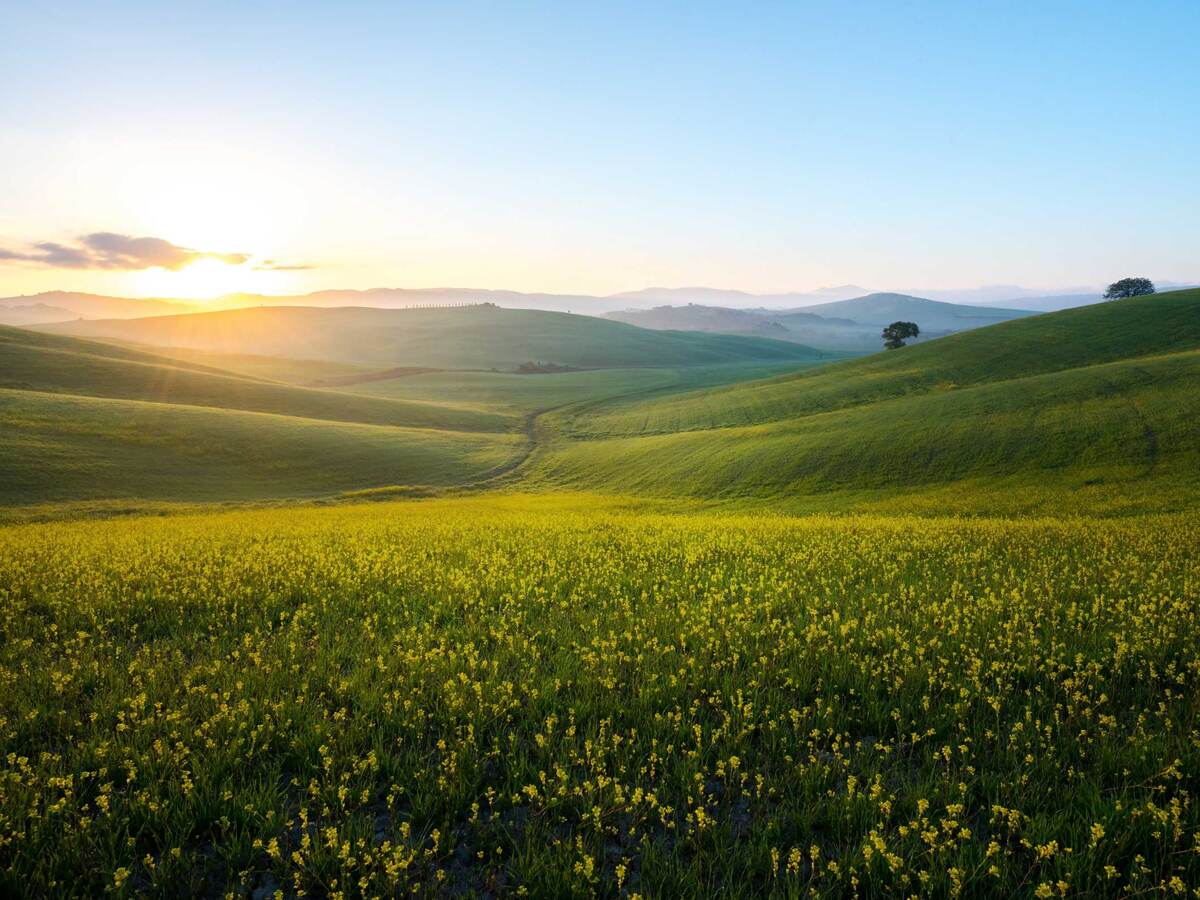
(197, 149)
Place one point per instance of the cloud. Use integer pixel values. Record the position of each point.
(269, 265)
(107, 250)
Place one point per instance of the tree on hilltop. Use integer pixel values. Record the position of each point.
(1129, 287)
(896, 333)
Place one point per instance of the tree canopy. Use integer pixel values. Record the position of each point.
(896, 333)
(1129, 287)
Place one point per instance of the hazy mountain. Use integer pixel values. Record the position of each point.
(96, 306)
(1051, 302)
(695, 317)
(34, 314)
(404, 298)
(838, 335)
(997, 294)
(843, 325)
(730, 299)
(93, 306)
(930, 315)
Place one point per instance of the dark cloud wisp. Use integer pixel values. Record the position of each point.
(107, 250)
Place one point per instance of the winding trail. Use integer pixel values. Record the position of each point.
(538, 434)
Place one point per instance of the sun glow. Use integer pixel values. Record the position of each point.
(207, 279)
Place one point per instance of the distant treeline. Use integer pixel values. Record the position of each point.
(461, 305)
(543, 368)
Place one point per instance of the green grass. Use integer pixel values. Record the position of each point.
(31, 361)
(190, 433)
(69, 449)
(479, 337)
(1053, 342)
(1129, 413)
(1102, 395)
(522, 394)
(303, 372)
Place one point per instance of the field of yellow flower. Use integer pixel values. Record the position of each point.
(508, 696)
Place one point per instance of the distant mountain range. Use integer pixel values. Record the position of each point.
(63, 306)
(843, 325)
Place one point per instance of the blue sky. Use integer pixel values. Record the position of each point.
(604, 147)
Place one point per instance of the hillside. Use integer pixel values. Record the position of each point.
(931, 315)
(694, 317)
(829, 334)
(1091, 408)
(71, 449)
(1069, 399)
(475, 337)
(50, 363)
(83, 421)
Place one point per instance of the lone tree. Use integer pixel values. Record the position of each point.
(1129, 287)
(894, 334)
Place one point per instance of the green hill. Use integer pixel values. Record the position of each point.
(51, 363)
(60, 448)
(1073, 399)
(1089, 409)
(85, 420)
(932, 315)
(472, 337)
(1162, 323)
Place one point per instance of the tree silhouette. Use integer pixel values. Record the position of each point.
(1129, 287)
(895, 334)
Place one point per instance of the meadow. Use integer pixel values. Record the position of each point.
(919, 623)
(584, 696)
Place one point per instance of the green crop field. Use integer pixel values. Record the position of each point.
(920, 623)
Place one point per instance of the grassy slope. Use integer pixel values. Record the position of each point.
(523, 394)
(82, 421)
(932, 315)
(462, 338)
(39, 362)
(68, 448)
(1041, 344)
(304, 372)
(1065, 400)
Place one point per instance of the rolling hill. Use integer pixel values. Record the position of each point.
(831, 335)
(1077, 401)
(1089, 409)
(72, 449)
(931, 315)
(471, 337)
(47, 363)
(83, 421)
